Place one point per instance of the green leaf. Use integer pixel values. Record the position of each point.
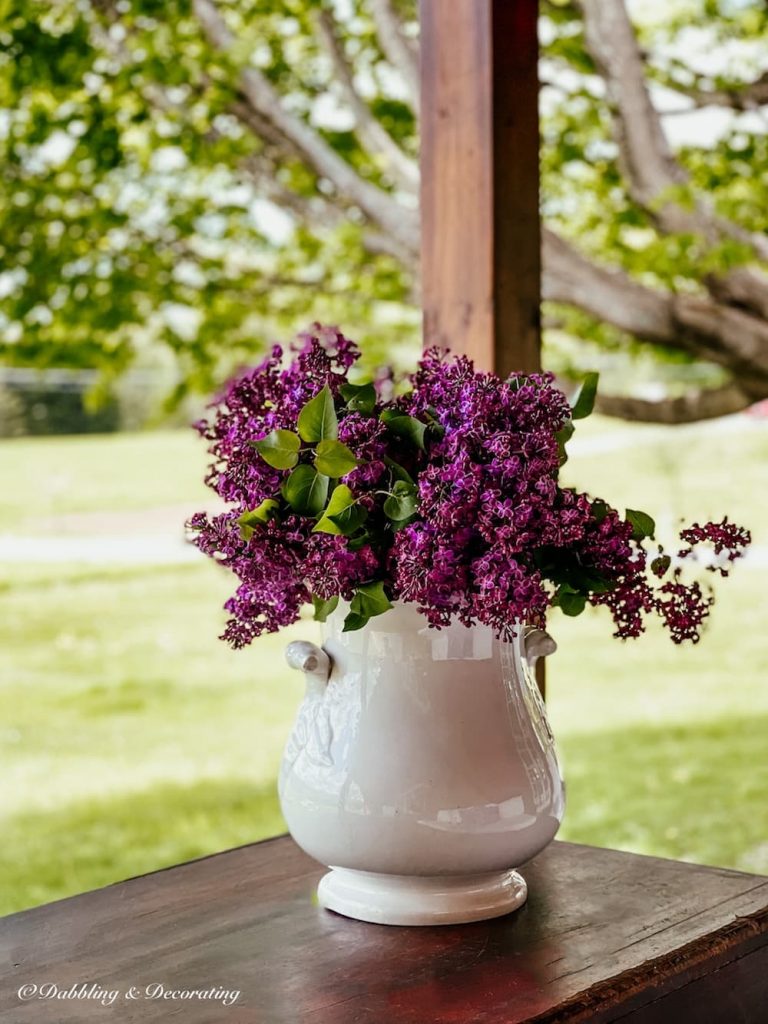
(398, 472)
(363, 538)
(370, 600)
(359, 397)
(660, 565)
(248, 521)
(563, 436)
(317, 420)
(594, 582)
(324, 608)
(599, 510)
(350, 520)
(343, 515)
(334, 458)
(405, 426)
(434, 426)
(585, 400)
(353, 621)
(571, 602)
(402, 503)
(642, 524)
(280, 449)
(306, 490)
(341, 498)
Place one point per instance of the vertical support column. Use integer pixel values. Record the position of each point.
(480, 228)
(480, 180)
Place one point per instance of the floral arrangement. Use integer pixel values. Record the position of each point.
(446, 496)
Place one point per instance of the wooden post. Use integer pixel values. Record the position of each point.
(480, 180)
(480, 229)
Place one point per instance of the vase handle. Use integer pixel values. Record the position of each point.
(312, 661)
(537, 643)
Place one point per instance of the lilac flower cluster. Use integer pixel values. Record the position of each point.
(447, 497)
(488, 496)
(727, 539)
(682, 607)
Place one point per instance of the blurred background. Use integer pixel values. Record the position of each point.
(184, 183)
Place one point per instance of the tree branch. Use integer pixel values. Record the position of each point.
(743, 288)
(647, 160)
(316, 210)
(263, 98)
(726, 336)
(649, 163)
(606, 294)
(274, 141)
(706, 327)
(262, 172)
(688, 408)
(400, 54)
(372, 132)
(740, 96)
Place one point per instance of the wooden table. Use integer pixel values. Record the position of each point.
(605, 936)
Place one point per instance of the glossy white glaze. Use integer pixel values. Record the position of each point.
(425, 754)
(421, 899)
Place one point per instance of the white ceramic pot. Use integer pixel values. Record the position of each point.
(420, 768)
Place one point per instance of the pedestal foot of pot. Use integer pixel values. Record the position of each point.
(421, 900)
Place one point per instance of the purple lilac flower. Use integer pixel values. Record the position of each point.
(728, 541)
(488, 535)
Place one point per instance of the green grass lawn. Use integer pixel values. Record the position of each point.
(49, 477)
(131, 738)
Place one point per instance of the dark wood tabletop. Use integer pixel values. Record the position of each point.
(604, 936)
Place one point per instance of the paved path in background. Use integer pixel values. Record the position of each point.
(632, 437)
(144, 549)
(152, 536)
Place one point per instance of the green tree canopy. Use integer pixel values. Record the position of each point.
(207, 175)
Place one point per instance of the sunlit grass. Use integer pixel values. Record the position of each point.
(47, 478)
